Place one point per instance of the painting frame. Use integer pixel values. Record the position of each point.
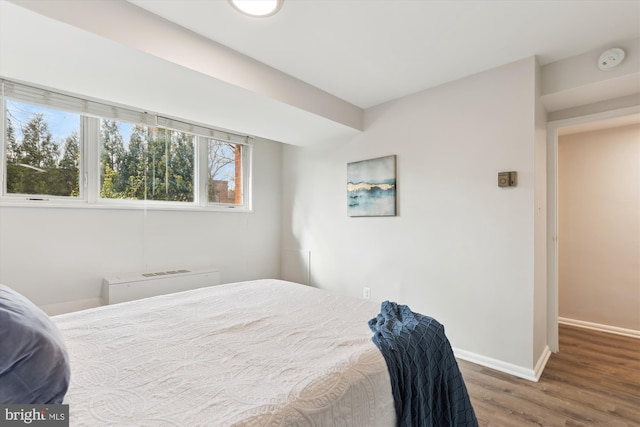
(371, 187)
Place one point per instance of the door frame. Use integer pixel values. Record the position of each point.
(552, 211)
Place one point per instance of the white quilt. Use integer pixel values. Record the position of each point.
(260, 353)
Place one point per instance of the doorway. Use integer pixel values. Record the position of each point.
(608, 119)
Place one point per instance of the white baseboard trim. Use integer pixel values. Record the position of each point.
(599, 327)
(69, 306)
(507, 368)
(542, 362)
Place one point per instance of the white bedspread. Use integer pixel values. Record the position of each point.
(260, 353)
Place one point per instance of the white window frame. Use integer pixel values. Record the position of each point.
(91, 112)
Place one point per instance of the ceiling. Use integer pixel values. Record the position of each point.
(303, 76)
(369, 52)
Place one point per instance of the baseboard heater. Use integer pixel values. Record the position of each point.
(131, 286)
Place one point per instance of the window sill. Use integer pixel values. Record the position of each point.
(80, 204)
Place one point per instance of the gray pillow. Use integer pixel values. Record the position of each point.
(34, 364)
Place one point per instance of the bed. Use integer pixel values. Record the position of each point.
(258, 353)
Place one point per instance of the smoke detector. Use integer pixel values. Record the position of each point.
(610, 58)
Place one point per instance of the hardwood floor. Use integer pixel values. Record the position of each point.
(594, 380)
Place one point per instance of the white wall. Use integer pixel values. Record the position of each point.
(60, 255)
(460, 249)
(599, 227)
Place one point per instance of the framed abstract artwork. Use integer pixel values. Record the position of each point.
(371, 187)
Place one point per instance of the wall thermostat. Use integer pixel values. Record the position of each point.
(507, 179)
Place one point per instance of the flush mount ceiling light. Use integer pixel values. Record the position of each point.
(257, 8)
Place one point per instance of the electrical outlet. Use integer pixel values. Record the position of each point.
(366, 293)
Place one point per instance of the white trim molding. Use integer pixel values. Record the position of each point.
(599, 327)
(507, 368)
(542, 362)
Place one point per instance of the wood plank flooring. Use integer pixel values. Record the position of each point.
(594, 380)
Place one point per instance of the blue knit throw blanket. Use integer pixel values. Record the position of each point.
(426, 382)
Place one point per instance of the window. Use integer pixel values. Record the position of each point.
(60, 148)
(224, 172)
(145, 163)
(42, 150)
